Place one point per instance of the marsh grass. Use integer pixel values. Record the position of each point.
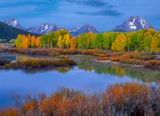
(40, 63)
(53, 51)
(145, 59)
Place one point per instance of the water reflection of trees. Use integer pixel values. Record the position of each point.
(22, 58)
(147, 75)
(64, 69)
(87, 65)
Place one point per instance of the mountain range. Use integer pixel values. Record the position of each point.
(46, 28)
(134, 23)
(11, 28)
(8, 32)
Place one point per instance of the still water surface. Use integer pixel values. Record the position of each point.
(88, 77)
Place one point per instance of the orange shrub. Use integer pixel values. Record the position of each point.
(0, 113)
(152, 64)
(103, 58)
(50, 105)
(104, 55)
(30, 107)
(114, 58)
(11, 112)
(78, 102)
(127, 97)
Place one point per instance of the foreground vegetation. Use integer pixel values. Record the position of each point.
(127, 99)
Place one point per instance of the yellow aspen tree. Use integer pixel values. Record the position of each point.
(73, 44)
(19, 41)
(91, 37)
(60, 42)
(33, 41)
(67, 40)
(120, 43)
(154, 43)
(29, 40)
(26, 41)
(37, 42)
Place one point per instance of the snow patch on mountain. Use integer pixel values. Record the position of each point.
(47, 28)
(44, 29)
(134, 23)
(13, 23)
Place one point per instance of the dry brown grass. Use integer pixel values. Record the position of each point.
(53, 51)
(40, 63)
(147, 60)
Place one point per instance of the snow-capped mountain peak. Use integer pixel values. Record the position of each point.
(84, 29)
(73, 29)
(13, 23)
(134, 23)
(47, 28)
(43, 29)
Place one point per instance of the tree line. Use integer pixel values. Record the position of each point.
(143, 40)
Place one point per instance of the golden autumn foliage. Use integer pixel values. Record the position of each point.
(60, 42)
(37, 42)
(120, 43)
(19, 41)
(33, 41)
(147, 40)
(73, 44)
(26, 42)
(67, 39)
(154, 43)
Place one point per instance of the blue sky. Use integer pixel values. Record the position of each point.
(103, 14)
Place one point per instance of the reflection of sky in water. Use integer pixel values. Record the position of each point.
(18, 82)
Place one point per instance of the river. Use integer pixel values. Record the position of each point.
(88, 76)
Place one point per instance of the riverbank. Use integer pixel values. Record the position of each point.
(52, 51)
(37, 64)
(135, 59)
